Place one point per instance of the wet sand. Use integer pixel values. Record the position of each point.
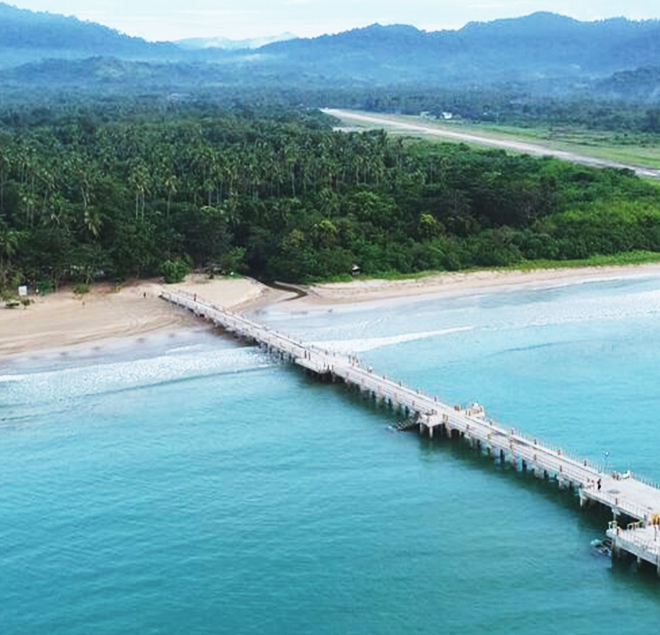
(62, 319)
(456, 284)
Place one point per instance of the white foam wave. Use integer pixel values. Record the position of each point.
(373, 343)
(580, 282)
(611, 309)
(99, 378)
(8, 378)
(184, 349)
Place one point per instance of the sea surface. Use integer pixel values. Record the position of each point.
(187, 484)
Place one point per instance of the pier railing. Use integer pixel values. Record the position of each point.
(635, 497)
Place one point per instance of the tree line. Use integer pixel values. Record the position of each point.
(119, 191)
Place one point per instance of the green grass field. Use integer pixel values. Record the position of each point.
(642, 150)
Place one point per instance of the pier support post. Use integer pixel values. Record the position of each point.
(584, 499)
(430, 432)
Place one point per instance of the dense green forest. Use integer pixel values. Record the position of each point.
(112, 192)
(597, 105)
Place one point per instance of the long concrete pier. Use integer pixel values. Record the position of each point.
(635, 503)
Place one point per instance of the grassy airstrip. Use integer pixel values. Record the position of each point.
(636, 149)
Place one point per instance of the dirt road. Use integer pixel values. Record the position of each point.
(517, 146)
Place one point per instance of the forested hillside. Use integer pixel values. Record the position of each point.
(29, 36)
(641, 85)
(115, 192)
(539, 70)
(540, 50)
(517, 49)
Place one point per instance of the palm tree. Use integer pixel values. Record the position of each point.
(93, 221)
(29, 201)
(171, 186)
(8, 247)
(5, 165)
(140, 181)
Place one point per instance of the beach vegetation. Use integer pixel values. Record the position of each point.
(102, 191)
(81, 288)
(174, 271)
(44, 287)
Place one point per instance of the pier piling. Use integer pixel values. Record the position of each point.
(626, 495)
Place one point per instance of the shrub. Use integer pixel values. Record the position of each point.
(174, 271)
(81, 288)
(44, 287)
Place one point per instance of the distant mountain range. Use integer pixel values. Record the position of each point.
(28, 36)
(542, 49)
(196, 44)
(533, 47)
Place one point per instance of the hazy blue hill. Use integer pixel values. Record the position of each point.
(112, 77)
(539, 45)
(540, 50)
(197, 44)
(98, 71)
(27, 35)
(641, 85)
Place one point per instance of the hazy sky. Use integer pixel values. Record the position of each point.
(172, 19)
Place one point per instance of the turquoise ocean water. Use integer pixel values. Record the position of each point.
(187, 484)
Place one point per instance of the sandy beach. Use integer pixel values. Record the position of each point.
(62, 319)
(456, 284)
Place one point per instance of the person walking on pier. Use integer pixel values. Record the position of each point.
(599, 483)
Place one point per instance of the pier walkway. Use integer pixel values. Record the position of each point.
(627, 496)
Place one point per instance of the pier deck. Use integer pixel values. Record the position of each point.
(640, 540)
(626, 495)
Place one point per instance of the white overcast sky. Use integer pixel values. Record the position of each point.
(172, 19)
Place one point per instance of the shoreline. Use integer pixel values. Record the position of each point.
(62, 321)
(455, 284)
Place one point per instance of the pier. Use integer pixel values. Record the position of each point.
(634, 502)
